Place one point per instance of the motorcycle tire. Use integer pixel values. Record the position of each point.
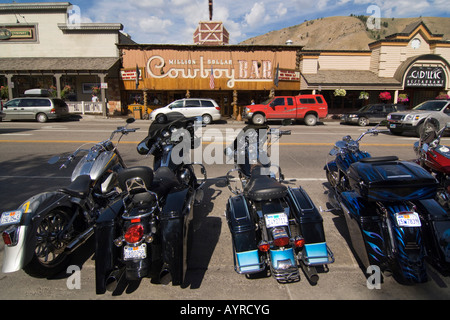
(49, 257)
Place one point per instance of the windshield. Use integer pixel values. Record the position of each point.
(267, 101)
(431, 105)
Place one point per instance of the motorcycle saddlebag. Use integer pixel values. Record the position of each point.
(436, 233)
(106, 253)
(387, 179)
(365, 229)
(316, 251)
(242, 228)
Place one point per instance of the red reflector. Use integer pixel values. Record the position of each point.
(136, 220)
(218, 108)
(7, 238)
(299, 242)
(134, 233)
(264, 246)
(281, 242)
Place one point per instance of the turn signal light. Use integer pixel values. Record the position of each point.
(299, 242)
(264, 246)
(134, 233)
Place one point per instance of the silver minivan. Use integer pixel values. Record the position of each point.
(208, 109)
(40, 109)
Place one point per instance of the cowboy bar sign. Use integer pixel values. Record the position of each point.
(425, 77)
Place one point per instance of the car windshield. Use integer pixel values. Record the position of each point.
(431, 105)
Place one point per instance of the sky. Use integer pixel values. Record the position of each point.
(174, 21)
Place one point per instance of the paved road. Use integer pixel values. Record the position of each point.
(26, 146)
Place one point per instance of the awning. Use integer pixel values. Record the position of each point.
(57, 65)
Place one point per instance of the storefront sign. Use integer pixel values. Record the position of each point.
(12, 33)
(130, 74)
(234, 71)
(289, 75)
(426, 77)
(5, 34)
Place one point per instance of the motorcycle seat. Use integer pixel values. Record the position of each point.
(262, 187)
(79, 187)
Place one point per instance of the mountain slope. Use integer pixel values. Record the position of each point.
(344, 33)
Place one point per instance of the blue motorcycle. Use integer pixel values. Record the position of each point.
(275, 229)
(389, 208)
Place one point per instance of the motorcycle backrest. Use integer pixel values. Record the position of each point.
(135, 179)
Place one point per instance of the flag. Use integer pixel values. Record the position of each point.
(137, 77)
(211, 79)
(276, 80)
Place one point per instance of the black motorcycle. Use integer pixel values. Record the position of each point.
(274, 228)
(393, 220)
(145, 233)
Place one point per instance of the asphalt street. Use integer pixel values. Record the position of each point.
(25, 148)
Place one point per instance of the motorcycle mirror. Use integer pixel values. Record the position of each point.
(53, 160)
(130, 120)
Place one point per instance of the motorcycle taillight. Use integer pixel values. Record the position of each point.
(280, 237)
(134, 233)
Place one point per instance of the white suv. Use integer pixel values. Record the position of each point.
(208, 109)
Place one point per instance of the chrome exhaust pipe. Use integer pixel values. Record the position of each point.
(113, 279)
(78, 241)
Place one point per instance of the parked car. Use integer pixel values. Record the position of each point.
(412, 120)
(372, 113)
(2, 114)
(36, 108)
(307, 107)
(208, 109)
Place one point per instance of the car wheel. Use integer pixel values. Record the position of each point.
(363, 121)
(310, 120)
(258, 119)
(160, 118)
(41, 117)
(206, 119)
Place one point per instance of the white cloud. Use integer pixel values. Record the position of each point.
(257, 14)
(174, 21)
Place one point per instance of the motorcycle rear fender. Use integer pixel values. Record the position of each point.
(175, 220)
(19, 255)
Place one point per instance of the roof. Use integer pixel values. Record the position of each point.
(56, 64)
(34, 6)
(343, 78)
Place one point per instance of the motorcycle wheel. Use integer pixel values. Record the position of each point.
(49, 257)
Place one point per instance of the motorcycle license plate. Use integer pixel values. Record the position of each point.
(409, 219)
(276, 220)
(131, 253)
(10, 217)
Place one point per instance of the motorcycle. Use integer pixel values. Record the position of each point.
(392, 218)
(145, 233)
(275, 229)
(435, 158)
(46, 229)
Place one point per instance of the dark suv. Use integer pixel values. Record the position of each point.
(372, 113)
(40, 109)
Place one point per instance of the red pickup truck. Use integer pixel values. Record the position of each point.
(309, 107)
